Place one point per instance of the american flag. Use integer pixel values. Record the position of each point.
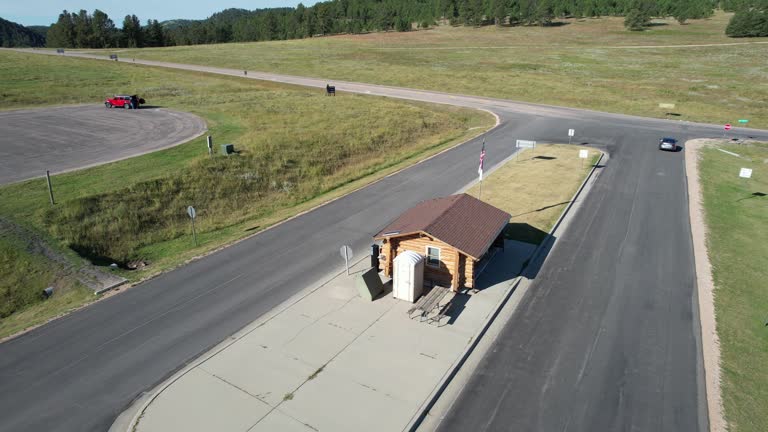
(482, 158)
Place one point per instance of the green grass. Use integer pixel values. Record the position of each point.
(736, 216)
(290, 158)
(588, 63)
(24, 273)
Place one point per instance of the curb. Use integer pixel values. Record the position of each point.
(109, 287)
(423, 411)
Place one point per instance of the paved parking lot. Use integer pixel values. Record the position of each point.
(72, 137)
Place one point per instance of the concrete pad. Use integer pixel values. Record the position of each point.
(358, 314)
(399, 373)
(267, 374)
(200, 402)
(277, 421)
(334, 403)
(279, 330)
(319, 343)
(317, 305)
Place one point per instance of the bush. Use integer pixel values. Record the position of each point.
(748, 23)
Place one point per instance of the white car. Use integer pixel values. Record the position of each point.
(667, 143)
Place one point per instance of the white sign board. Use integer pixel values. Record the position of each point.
(525, 144)
(666, 105)
(583, 154)
(745, 173)
(571, 132)
(191, 212)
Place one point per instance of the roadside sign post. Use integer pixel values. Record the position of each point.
(583, 154)
(192, 214)
(346, 253)
(210, 146)
(50, 188)
(743, 121)
(746, 174)
(726, 128)
(524, 144)
(571, 132)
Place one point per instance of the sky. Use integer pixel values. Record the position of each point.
(46, 12)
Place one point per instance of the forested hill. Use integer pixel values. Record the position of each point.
(97, 30)
(359, 16)
(16, 35)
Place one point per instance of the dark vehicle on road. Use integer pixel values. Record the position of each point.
(667, 143)
(124, 101)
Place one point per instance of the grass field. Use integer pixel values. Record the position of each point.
(24, 271)
(586, 63)
(736, 212)
(543, 182)
(289, 159)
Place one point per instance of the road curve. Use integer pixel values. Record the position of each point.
(606, 338)
(73, 137)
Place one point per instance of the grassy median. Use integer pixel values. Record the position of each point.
(535, 187)
(584, 63)
(297, 149)
(736, 214)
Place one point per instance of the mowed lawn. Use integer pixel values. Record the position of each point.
(736, 212)
(585, 63)
(296, 149)
(535, 187)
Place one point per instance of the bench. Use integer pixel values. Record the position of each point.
(428, 303)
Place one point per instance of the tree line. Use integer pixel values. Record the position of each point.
(97, 30)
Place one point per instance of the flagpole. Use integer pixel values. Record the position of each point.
(480, 168)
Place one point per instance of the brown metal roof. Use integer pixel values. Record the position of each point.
(462, 221)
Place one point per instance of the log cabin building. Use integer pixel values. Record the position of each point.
(453, 233)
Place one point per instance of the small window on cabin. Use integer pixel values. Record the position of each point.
(433, 256)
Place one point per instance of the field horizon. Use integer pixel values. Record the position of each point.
(590, 63)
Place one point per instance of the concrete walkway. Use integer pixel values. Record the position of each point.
(330, 361)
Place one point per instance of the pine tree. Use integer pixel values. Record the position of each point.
(639, 15)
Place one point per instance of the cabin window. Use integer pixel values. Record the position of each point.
(433, 256)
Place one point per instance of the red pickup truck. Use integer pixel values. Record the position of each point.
(124, 101)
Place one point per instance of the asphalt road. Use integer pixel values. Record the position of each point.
(73, 137)
(605, 340)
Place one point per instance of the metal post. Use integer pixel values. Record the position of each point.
(481, 191)
(346, 260)
(50, 188)
(194, 233)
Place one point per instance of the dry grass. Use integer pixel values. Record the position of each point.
(536, 188)
(586, 63)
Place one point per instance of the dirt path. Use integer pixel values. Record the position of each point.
(709, 339)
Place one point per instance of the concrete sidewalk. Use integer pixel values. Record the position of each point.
(330, 362)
